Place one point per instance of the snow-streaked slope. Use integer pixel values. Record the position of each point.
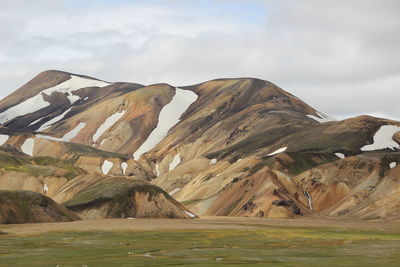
(3, 139)
(158, 170)
(340, 155)
(37, 102)
(190, 214)
(321, 117)
(27, 146)
(106, 167)
(383, 138)
(213, 161)
(124, 166)
(175, 162)
(393, 164)
(68, 136)
(110, 121)
(32, 123)
(280, 150)
(74, 132)
(309, 198)
(53, 120)
(45, 188)
(176, 190)
(169, 116)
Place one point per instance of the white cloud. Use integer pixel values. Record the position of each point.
(341, 57)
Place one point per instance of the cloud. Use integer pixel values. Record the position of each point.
(341, 57)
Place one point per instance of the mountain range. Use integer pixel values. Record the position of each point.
(226, 147)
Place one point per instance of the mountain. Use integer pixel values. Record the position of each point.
(233, 147)
(30, 207)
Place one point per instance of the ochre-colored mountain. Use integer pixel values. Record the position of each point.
(233, 147)
(31, 207)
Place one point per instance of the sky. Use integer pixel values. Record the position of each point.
(341, 57)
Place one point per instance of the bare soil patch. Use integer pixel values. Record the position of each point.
(207, 223)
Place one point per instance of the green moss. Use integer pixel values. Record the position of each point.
(38, 166)
(191, 201)
(23, 200)
(386, 159)
(298, 162)
(305, 161)
(232, 206)
(259, 166)
(116, 192)
(91, 151)
(268, 246)
(253, 143)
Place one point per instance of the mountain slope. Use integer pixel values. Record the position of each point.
(31, 207)
(241, 147)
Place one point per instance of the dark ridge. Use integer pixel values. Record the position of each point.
(188, 87)
(70, 73)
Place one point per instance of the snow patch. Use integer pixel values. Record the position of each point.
(213, 161)
(157, 170)
(3, 139)
(45, 188)
(175, 162)
(280, 150)
(321, 117)
(308, 196)
(106, 167)
(32, 123)
(190, 214)
(239, 160)
(37, 102)
(393, 164)
(383, 138)
(169, 116)
(74, 132)
(68, 136)
(103, 141)
(124, 166)
(72, 98)
(340, 155)
(148, 255)
(54, 120)
(108, 123)
(176, 190)
(27, 146)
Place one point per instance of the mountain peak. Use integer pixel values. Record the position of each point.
(231, 146)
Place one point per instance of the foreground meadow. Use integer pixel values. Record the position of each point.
(247, 245)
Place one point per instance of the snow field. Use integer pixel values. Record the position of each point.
(108, 123)
(175, 162)
(321, 117)
(27, 146)
(280, 150)
(176, 190)
(124, 166)
(68, 136)
(106, 167)
(383, 138)
(169, 116)
(53, 120)
(3, 139)
(37, 102)
(340, 155)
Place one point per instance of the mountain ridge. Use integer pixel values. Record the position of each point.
(229, 146)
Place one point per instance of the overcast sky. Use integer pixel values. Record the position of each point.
(341, 57)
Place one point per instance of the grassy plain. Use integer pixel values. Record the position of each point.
(203, 242)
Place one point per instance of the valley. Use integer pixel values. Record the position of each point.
(208, 241)
(228, 171)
